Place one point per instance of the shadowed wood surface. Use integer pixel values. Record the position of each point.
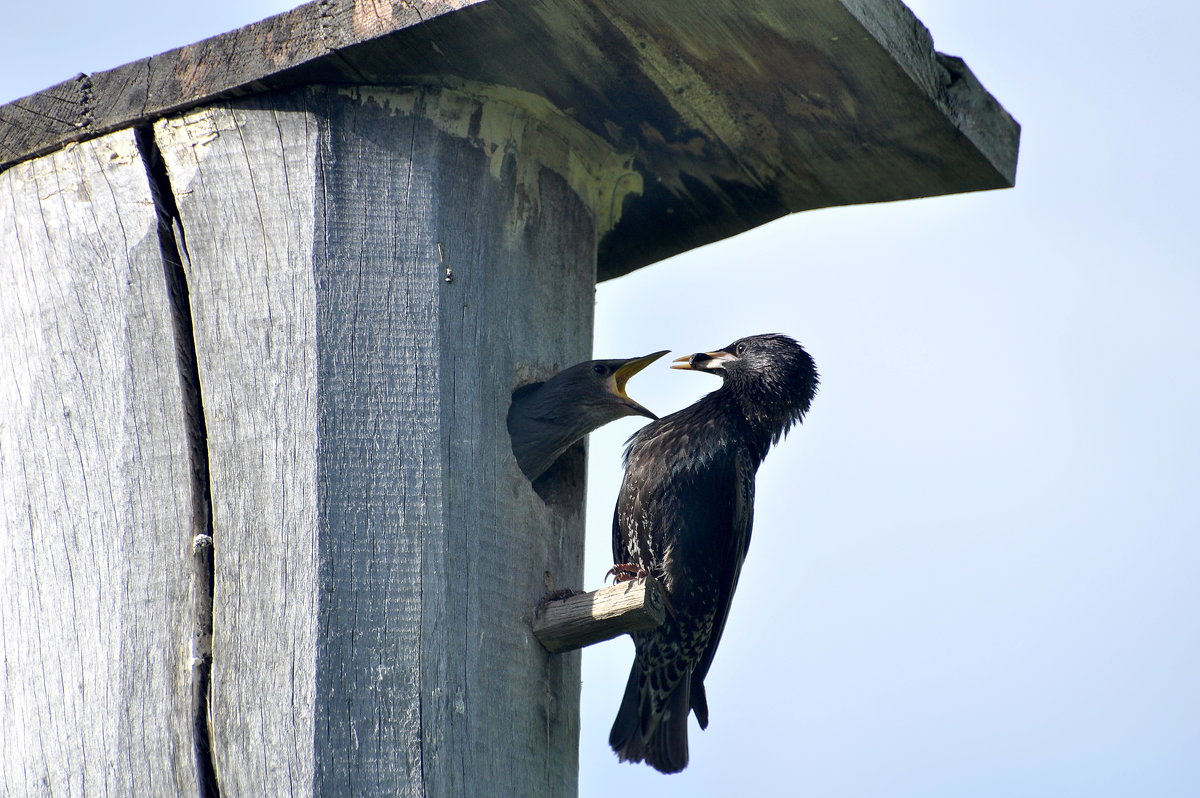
(588, 618)
(738, 112)
(95, 511)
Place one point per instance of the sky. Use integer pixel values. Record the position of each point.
(976, 566)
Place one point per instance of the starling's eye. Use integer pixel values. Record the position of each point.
(599, 369)
(741, 350)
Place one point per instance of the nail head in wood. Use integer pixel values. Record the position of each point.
(587, 618)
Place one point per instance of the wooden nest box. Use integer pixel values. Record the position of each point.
(266, 298)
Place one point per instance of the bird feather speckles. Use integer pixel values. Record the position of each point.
(684, 513)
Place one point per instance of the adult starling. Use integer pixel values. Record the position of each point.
(684, 514)
(547, 418)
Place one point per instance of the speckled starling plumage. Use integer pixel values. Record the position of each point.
(684, 514)
(547, 418)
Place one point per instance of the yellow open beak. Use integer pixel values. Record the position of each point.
(631, 367)
(627, 370)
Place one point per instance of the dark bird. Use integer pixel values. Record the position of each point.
(684, 514)
(547, 418)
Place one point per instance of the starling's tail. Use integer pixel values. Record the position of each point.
(699, 700)
(639, 734)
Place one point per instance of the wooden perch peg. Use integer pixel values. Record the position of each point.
(586, 618)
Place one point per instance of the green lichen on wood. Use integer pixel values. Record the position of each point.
(508, 123)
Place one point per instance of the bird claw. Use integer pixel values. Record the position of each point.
(626, 572)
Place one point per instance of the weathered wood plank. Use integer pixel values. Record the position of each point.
(95, 510)
(377, 546)
(740, 112)
(587, 618)
(244, 184)
(233, 63)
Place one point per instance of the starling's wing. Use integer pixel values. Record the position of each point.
(676, 517)
(620, 550)
(647, 467)
(741, 522)
(684, 503)
(676, 497)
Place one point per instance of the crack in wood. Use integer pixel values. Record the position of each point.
(173, 248)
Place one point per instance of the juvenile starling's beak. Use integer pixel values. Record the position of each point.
(627, 370)
(702, 361)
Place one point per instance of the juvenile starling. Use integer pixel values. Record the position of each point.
(684, 514)
(547, 418)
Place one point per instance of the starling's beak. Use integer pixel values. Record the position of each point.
(702, 361)
(627, 370)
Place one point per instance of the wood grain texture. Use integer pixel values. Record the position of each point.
(95, 515)
(378, 549)
(739, 112)
(244, 184)
(587, 618)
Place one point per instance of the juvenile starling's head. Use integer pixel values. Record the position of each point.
(547, 417)
(771, 374)
(595, 390)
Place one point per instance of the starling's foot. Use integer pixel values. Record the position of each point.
(626, 572)
(562, 594)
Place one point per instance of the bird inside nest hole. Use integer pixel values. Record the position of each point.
(563, 484)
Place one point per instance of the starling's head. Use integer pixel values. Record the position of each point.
(546, 418)
(597, 387)
(585, 396)
(769, 369)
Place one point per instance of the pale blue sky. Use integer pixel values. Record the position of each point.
(975, 567)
